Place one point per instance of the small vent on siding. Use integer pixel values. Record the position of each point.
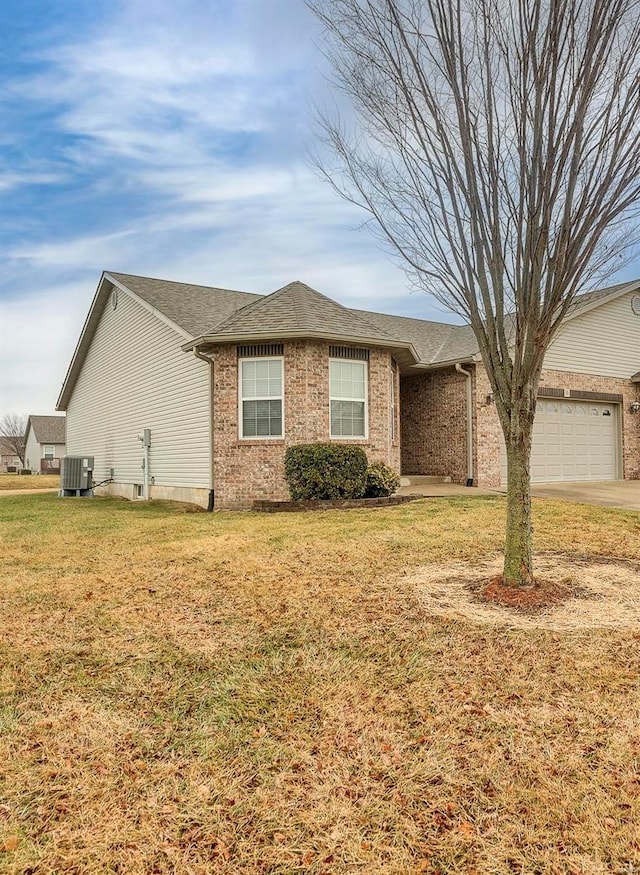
(256, 350)
(349, 352)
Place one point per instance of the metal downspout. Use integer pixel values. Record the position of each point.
(206, 359)
(469, 394)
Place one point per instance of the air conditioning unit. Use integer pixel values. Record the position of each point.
(76, 475)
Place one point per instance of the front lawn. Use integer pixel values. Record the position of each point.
(29, 481)
(239, 693)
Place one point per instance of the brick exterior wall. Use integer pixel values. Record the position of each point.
(433, 424)
(488, 431)
(246, 470)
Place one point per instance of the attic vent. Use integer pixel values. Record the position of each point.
(255, 350)
(349, 352)
(550, 392)
(596, 396)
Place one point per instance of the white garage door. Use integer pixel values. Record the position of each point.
(573, 440)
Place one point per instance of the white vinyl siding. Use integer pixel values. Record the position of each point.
(605, 341)
(32, 452)
(136, 376)
(261, 399)
(348, 398)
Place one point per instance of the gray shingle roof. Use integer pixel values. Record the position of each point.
(48, 429)
(297, 308)
(193, 308)
(433, 341)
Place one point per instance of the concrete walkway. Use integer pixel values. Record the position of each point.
(444, 490)
(624, 494)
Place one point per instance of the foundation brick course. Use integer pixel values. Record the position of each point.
(250, 470)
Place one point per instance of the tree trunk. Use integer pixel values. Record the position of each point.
(518, 559)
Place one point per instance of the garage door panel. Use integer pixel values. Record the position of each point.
(573, 440)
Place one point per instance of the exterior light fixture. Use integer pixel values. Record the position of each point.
(635, 407)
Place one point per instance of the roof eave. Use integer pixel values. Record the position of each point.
(470, 359)
(605, 299)
(257, 337)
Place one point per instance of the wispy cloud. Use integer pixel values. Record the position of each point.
(171, 140)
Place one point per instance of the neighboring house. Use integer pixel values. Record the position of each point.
(44, 444)
(8, 456)
(224, 381)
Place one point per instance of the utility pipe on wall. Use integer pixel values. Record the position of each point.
(145, 437)
(469, 395)
(207, 360)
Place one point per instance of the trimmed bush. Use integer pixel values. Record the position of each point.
(325, 471)
(381, 481)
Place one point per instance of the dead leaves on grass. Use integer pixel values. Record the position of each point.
(243, 696)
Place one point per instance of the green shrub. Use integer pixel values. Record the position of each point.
(381, 481)
(325, 471)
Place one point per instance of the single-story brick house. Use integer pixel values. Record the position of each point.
(44, 440)
(224, 381)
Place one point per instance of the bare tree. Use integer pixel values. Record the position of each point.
(12, 429)
(496, 145)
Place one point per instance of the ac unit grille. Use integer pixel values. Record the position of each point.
(76, 472)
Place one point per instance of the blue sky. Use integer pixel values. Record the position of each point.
(167, 138)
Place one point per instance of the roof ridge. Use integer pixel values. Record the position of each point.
(409, 318)
(157, 279)
(249, 306)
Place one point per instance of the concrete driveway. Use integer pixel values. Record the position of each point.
(608, 493)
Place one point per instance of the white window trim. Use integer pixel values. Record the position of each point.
(260, 437)
(44, 451)
(351, 437)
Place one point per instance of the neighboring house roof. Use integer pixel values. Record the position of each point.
(47, 429)
(206, 314)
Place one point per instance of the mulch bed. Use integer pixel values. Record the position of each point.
(544, 594)
(335, 504)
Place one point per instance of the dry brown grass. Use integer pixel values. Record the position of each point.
(29, 481)
(225, 693)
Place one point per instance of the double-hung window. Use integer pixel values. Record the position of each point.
(49, 451)
(348, 398)
(261, 398)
